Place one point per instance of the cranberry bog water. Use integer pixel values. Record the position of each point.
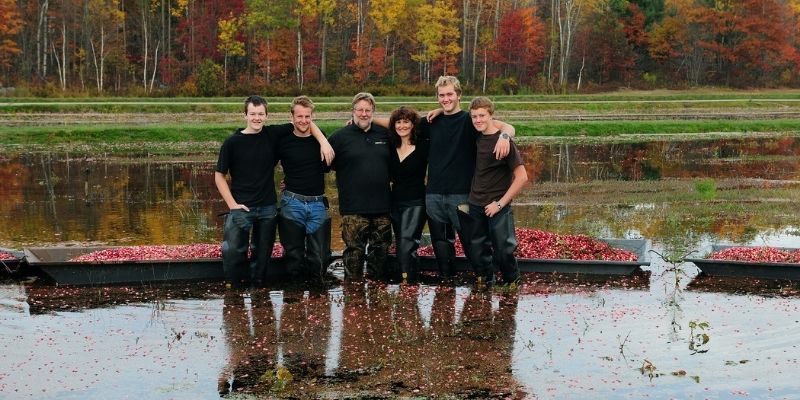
(665, 333)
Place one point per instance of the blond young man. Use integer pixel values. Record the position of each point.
(304, 226)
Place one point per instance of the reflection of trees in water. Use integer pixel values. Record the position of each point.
(562, 164)
(766, 158)
(367, 338)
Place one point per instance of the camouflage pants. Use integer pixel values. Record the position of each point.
(366, 238)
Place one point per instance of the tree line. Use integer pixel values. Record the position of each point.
(235, 47)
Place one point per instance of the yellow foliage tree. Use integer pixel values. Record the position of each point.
(438, 34)
(229, 44)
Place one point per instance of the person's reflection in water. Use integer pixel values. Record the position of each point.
(468, 350)
(304, 332)
(249, 326)
(367, 328)
(371, 338)
(334, 350)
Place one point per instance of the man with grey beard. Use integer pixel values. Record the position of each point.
(362, 179)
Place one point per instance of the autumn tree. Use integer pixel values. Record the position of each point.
(102, 20)
(652, 10)
(565, 20)
(675, 43)
(229, 43)
(197, 28)
(760, 42)
(606, 46)
(148, 40)
(519, 47)
(66, 23)
(265, 18)
(10, 25)
(389, 16)
(437, 36)
(317, 16)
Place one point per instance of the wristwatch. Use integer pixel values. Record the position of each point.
(499, 207)
(504, 135)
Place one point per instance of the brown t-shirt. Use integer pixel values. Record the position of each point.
(492, 177)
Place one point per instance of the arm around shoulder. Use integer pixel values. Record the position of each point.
(325, 150)
(505, 128)
(381, 121)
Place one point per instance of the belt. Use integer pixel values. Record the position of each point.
(303, 198)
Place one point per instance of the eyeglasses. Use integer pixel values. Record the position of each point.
(362, 111)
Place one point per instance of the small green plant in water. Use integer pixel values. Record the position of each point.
(278, 379)
(706, 189)
(698, 338)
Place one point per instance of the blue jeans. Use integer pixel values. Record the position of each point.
(310, 214)
(236, 240)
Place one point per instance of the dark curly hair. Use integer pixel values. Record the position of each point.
(403, 113)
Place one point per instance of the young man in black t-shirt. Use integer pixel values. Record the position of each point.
(304, 226)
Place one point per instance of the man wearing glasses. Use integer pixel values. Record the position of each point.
(362, 179)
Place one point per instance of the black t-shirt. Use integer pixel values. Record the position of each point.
(408, 176)
(250, 161)
(303, 171)
(362, 169)
(451, 162)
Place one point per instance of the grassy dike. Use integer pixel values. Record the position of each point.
(191, 125)
(568, 131)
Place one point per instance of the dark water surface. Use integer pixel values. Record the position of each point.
(51, 198)
(555, 338)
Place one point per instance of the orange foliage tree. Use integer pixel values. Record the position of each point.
(10, 25)
(519, 49)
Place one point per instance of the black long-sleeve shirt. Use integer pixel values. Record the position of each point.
(362, 169)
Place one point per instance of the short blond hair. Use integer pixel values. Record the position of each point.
(301, 101)
(482, 102)
(365, 97)
(445, 80)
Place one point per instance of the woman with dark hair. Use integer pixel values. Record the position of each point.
(407, 168)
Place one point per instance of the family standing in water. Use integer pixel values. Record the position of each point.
(455, 170)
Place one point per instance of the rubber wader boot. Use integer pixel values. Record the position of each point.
(443, 239)
(261, 252)
(293, 239)
(505, 244)
(234, 263)
(412, 220)
(318, 252)
(478, 252)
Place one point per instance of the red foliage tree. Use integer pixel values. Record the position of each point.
(520, 44)
(749, 40)
(197, 29)
(606, 48)
(279, 54)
